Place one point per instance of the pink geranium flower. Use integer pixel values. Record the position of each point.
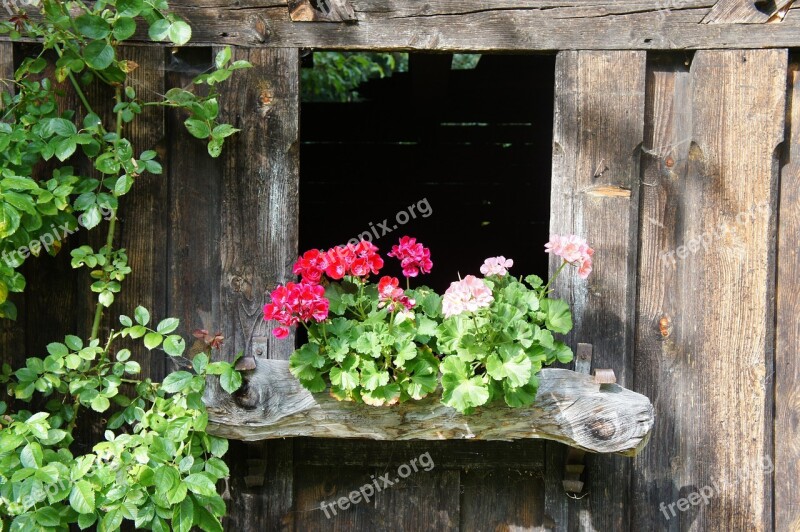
(294, 303)
(496, 266)
(390, 294)
(414, 257)
(467, 295)
(574, 250)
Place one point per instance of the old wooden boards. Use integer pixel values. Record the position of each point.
(494, 25)
(705, 320)
(599, 112)
(570, 408)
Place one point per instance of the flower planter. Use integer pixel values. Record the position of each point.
(570, 407)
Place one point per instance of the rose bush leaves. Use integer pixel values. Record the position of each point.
(156, 466)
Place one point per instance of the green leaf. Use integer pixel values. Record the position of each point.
(86, 520)
(223, 131)
(100, 404)
(98, 55)
(81, 498)
(152, 340)
(459, 389)
(124, 27)
(141, 315)
(217, 446)
(179, 33)
(183, 516)
(306, 362)
(73, 342)
(92, 26)
(91, 217)
(9, 220)
(176, 382)
(168, 325)
(230, 380)
(215, 147)
(57, 349)
(166, 477)
(218, 468)
(200, 484)
(197, 128)
(521, 396)
(47, 516)
(159, 29)
(515, 368)
(205, 520)
(174, 345)
(31, 455)
(382, 395)
(222, 58)
(111, 520)
(557, 315)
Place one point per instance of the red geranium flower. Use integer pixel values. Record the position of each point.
(294, 303)
(414, 257)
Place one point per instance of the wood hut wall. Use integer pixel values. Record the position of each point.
(653, 153)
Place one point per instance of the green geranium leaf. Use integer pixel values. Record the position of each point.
(557, 315)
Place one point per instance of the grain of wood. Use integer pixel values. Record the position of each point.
(143, 215)
(787, 365)
(484, 25)
(745, 11)
(705, 318)
(570, 407)
(259, 210)
(598, 124)
(426, 500)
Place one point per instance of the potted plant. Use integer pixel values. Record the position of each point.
(377, 343)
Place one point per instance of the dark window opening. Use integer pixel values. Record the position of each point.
(453, 151)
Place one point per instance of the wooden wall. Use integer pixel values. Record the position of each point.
(651, 154)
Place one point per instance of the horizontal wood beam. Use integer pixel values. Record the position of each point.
(570, 408)
(498, 25)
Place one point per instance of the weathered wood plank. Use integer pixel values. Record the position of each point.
(485, 25)
(705, 310)
(142, 227)
(668, 135)
(570, 408)
(746, 11)
(428, 499)
(502, 499)
(259, 210)
(458, 454)
(787, 365)
(595, 188)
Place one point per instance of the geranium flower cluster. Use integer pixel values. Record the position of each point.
(294, 303)
(466, 295)
(496, 266)
(574, 250)
(414, 257)
(390, 294)
(354, 259)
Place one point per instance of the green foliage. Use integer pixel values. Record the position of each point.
(497, 351)
(82, 41)
(368, 352)
(336, 76)
(156, 466)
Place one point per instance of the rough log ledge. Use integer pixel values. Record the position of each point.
(570, 408)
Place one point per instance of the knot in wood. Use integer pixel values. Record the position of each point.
(247, 396)
(602, 428)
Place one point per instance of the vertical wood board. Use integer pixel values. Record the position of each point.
(599, 115)
(705, 315)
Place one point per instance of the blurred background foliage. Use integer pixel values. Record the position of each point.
(336, 76)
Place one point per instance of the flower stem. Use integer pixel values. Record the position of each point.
(553, 278)
(112, 225)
